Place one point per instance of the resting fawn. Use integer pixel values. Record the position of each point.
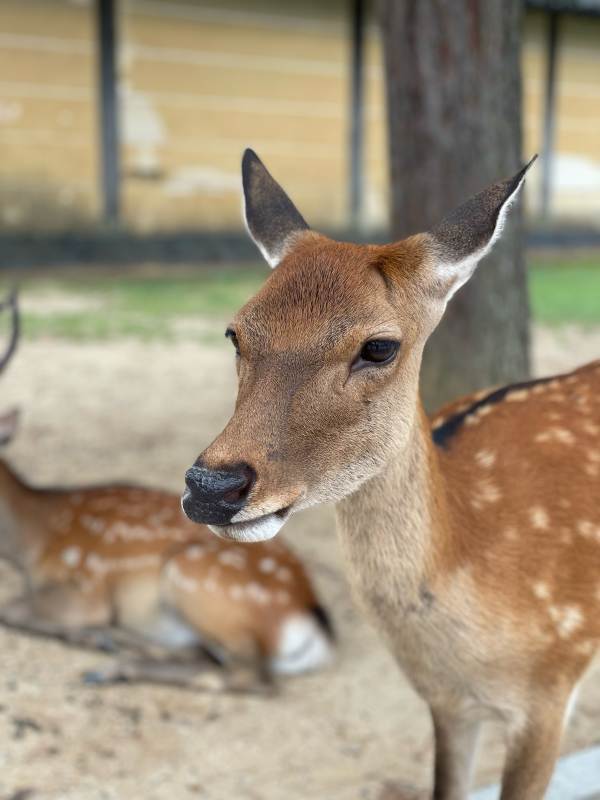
(122, 565)
(472, 541)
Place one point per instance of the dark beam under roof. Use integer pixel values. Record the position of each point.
(590, 7)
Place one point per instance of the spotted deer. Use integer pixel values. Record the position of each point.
(123, 566)
(472, 540)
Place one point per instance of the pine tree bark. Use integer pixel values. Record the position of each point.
(454, 104)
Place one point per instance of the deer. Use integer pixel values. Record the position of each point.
(472, 538)
(122, 567)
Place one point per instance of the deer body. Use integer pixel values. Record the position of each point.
(472, 540)
(126, 557)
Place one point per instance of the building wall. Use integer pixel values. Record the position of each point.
(202, 80)
(576, 168)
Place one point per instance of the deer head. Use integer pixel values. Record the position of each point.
(328, 355)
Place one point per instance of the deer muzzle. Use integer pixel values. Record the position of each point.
(214, 497)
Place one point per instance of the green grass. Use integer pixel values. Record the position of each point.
(565, 291)
(140, 307)
(199, 305)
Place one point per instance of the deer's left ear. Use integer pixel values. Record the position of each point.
(461, 240)
(273, 220)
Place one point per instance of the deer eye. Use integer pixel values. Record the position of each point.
(231, 335)
(378, 351)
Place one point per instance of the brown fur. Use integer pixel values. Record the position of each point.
(478, 560)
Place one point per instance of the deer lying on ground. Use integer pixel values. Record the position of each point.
(472, 541)
(122, 565)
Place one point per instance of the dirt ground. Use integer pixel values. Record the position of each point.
(142, 412)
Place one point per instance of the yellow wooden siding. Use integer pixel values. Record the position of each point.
(202, 80)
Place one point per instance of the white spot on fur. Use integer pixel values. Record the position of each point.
(541, 590)
(128, 532)
(71, 556)
(267, 565)
(517, 395)
(194, 552)
(590, 428)
(585, 528)
(95, 525)
(258, 593)
(485, 458)
(485, 492)
(559, 435)
(232, 558)
(539, 518)
(566, 618)
(102, 566)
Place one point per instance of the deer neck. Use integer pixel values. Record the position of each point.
(20, 530)
(395, 530)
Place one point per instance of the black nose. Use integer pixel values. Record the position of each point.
(213, 497)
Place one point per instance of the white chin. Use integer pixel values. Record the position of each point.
(254, 530)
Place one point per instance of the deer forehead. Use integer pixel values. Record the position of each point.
(323, 295)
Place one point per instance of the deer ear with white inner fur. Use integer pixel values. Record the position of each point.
(461, 240)
(272, 219)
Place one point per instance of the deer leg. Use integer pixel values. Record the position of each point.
(23, 614)
(20, 615)
(198, 675)
(532, 752)
(455, 743)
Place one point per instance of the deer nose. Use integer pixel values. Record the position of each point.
(215, 496)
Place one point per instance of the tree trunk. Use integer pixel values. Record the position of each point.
(454, 102)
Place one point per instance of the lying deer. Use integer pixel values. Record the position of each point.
(472, 540)
(122, 565)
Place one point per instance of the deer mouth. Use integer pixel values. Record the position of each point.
(257, 529)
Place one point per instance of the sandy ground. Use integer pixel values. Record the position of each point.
(127, 410)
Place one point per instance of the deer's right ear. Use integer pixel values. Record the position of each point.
(272, 219)
(461, 240)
